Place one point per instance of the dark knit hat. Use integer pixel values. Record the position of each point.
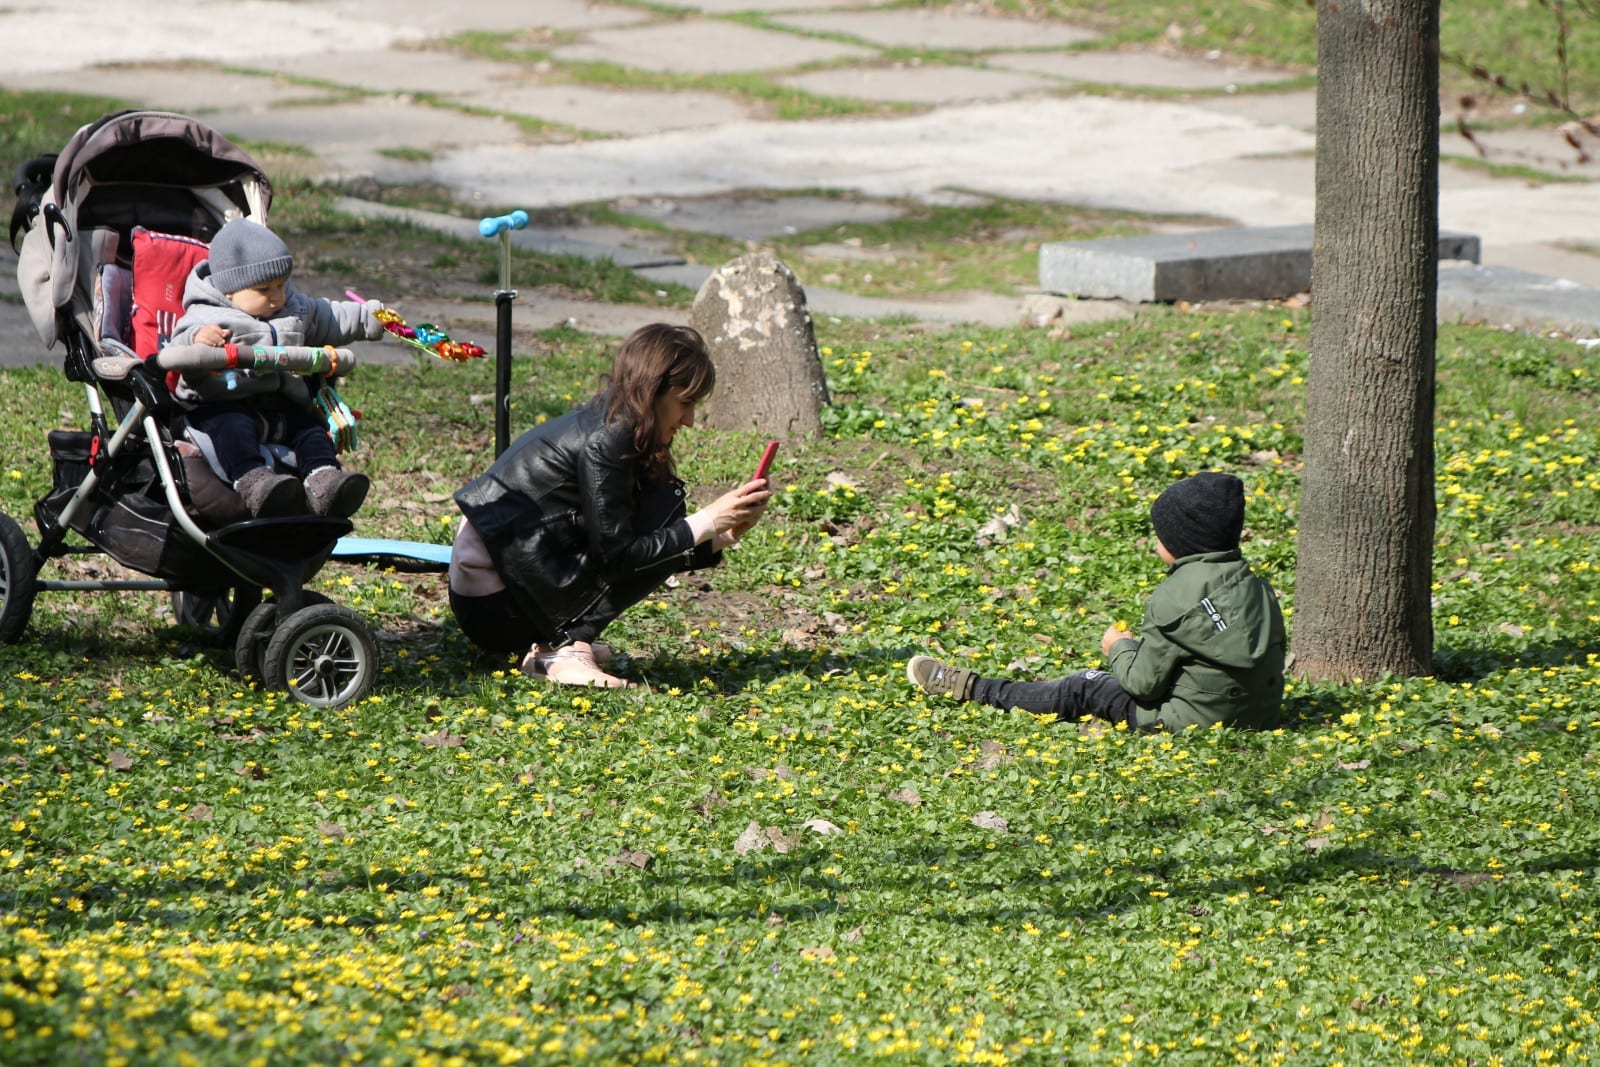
(245, 253)
(1204, 513)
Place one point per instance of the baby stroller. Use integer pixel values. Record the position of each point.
(111, 227)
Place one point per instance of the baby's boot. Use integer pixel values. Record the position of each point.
(267, 494)
(336, 492)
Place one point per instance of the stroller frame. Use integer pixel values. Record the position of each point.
(321, 653)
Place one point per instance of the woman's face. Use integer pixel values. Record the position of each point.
(673, 412)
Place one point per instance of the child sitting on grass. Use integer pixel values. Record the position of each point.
(1210, 650)
(241, 295)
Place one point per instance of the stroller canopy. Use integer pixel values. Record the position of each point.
(156, 169)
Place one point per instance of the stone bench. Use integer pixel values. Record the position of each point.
(1253, 263)
(1504, 296)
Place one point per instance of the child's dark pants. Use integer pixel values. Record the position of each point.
(1069, 699)
(235, 432)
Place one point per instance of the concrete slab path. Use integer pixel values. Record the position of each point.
(350, 79)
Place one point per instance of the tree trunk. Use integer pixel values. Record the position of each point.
(1362, 603)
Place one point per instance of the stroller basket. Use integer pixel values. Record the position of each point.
(123, 519)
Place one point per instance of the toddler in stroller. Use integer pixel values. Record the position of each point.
(241, 294)
(111, 230)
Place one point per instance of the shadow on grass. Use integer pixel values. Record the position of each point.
(908, 883)
(1470, 662)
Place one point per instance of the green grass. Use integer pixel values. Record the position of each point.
(1517, 42)
(471, 867)
(32, 124)
(991, 244)
(778, 852)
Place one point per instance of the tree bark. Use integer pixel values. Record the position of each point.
(1362, 604)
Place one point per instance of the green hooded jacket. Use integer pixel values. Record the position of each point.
(1210, 649)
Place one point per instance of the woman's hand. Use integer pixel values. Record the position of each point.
(737, 510)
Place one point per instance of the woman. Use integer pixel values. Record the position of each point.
(583, 516)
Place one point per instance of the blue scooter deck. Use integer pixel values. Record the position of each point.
(417, 556)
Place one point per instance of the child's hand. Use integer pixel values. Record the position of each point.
(1114, 633)
(370, 320)
(212, 335)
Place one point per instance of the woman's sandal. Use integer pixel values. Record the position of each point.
(539, 657)
(574, 666)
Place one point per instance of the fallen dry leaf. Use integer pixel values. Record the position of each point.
(442, 739)
(631, 857)
(750, 840)
(995, 529)
(780, 841)
(993, 755)
(709, 803)
(820, 826)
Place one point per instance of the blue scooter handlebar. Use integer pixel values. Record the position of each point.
(495, 225)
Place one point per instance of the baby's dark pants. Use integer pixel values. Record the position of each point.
(1069, 699)
(235, 432)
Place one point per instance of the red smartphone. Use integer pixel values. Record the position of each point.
(766, 460)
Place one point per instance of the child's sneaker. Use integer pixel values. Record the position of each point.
(940, 679)
(335, 492)
(266, 493)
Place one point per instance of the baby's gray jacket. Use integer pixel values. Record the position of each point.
(302, 320)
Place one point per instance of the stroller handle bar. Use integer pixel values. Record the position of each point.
(298, 359)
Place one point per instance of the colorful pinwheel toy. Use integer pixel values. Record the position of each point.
(426, 336)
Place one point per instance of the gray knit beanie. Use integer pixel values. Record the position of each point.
(245, 253)
(1204, 513)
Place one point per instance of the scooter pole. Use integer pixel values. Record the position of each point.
(501, 226)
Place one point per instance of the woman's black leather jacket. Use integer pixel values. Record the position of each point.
(568, 518)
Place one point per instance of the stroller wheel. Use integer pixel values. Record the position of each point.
(255, 630)
(217, 616)
(16, 580)
(254, 633)
(325, 655)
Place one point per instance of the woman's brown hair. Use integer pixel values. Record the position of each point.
(656, 360)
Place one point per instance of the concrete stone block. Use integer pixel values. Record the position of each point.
(1253, 263)
(1503, 296)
